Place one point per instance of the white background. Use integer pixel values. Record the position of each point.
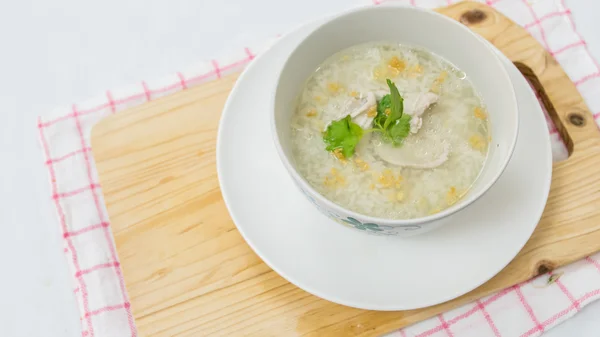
(58, 52)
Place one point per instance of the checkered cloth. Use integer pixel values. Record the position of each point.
(526, 309)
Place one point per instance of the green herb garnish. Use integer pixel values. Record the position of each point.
(554, 277)
(384, 104)
(551, 280)
(396, 105)
(400, 129)
(343, 134)
(390, 120)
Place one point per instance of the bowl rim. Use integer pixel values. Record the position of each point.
(304, 185)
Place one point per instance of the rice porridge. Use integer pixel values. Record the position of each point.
(390, 131)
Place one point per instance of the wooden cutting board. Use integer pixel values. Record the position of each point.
(189, 272)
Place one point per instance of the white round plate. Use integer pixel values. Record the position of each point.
(346, 266)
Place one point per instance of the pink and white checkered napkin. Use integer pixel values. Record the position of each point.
(523, 310)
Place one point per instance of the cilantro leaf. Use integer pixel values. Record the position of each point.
(382, 105)
(400, 129)
(393, 125)
(343, 134)
(396, 105)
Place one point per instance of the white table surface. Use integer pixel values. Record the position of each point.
(60, 52)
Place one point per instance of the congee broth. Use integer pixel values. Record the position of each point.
(390, 131)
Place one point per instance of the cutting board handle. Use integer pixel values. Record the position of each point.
(559, 95)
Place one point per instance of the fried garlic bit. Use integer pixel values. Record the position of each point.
(311, 113)
(339, 155)
(396, 196)
(334, 88)
(334, 179)
(372, 112)
(442, 77)
(400, 196)
(437, 83)
(435, 211)
(387, 179)
(361, 164)
(353, 94)
(379, 73)
(392, 72)
(392, 69)
(452, 196)
(396, 64)
(477, 142)
(415, 71)
(320, 100)
(387, 111)
(479, 113)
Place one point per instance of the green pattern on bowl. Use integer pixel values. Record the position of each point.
(366, 227)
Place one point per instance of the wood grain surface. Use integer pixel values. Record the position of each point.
(189, 272)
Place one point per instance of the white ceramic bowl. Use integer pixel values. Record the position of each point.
(415, 27)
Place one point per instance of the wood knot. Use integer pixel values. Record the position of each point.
(544, 267)
(473, 16)
(162, 272)
(166, 180)
(576, 119)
